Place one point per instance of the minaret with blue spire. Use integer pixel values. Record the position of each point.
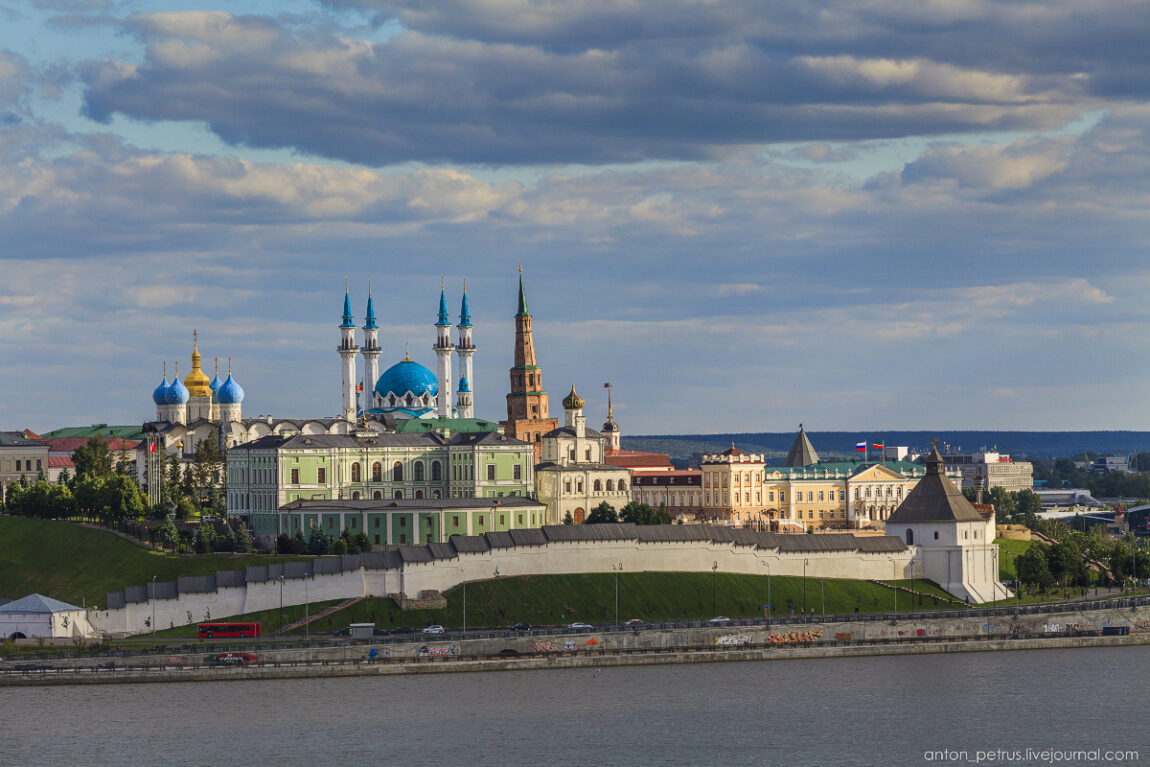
(347, 351)
(370, 352)
(464, 352)
(443, 350)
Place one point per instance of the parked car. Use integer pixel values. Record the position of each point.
(580, 626)
(635, 623)
(522, 627)
(720, 620)
(403, 630)
(432, 629)
(344, 632)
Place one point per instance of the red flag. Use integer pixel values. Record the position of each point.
(152, 448)
(359, 387)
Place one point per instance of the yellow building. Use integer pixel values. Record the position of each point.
(739, 489)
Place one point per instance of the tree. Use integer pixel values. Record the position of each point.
(93, 459)
(318, 542)
(204, 539)
(1033, 568)
(244, 541)
(167, 535)
(603, 513)
(1067, 564)
(643, 514)
(568, 519)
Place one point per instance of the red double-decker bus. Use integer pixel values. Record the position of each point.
(227, 630)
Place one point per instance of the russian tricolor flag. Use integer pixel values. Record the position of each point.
(861, 447)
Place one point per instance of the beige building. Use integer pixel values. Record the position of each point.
(989, 469)
(21, 457)
(573, 477)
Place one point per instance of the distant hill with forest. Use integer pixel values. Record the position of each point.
(841, 444)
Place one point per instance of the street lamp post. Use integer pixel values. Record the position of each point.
(617, 569)
(496, 575)
(281, 580)
(823, 596)
(770, 604)
(153, 596)
(893, 585)
(464, 576)
(714, 578)
(306, 609)
(805, 563)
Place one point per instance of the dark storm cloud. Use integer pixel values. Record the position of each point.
(453, 88)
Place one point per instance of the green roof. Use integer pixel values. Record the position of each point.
(456, 425)
(845, 468)
(134, 431)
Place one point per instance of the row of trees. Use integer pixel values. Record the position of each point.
(1067, 562)
(1062, 472)
(319, 543)
(634, 512)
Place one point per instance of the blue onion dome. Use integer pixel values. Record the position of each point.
(230, 392)
(463, 385)
(407, 376)
(215, 385)
(159, 396)
(177, 393)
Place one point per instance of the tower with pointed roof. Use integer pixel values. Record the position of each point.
(610, 428)
(802, 452)
(371, 352)
(527, 411)
(955, 540)
(443, 350)
(347, 352)
(464, 351)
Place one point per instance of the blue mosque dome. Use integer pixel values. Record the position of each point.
(230, 392)
(159, 396)
(177, 393)
(407, 376)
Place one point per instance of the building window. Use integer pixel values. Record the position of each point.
(455, 521)
(377, 539)
(517, 471)
(598, 486)
(622, 484)
(418, 471)
(376, 524)
(330, 522)
(567, 486)
(355, 495)
(397, 473)
(587, 455)
(295, 476)
(501, 518)
(820, 495)
(436, 471)
(403, 521)
(321, 475)
(490, 472)
(435, 494)
(377, 472)
(418, 493)
(403, 539)
(610, 486)
(398, 494)
(355, 472)
(782, 496)
(579, 486)
(377, 496)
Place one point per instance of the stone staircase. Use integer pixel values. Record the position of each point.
(317, 616)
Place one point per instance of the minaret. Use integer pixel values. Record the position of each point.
(443, 350)
(610, 428)
(464, 352)
(347, 350)
(527, 411)
(370, 353)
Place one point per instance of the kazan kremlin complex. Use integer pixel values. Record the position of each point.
(446, 497)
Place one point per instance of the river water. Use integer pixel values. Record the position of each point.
(983, 707)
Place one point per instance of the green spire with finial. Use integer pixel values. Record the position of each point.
(522, 295)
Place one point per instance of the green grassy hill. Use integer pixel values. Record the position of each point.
(81, 565)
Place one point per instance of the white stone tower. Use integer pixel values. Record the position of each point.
(464, 351)
(443, 350)
(370, 353)
(347, 352)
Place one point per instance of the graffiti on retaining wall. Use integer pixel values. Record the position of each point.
(795, 637)
(543, 645)
(733, 640)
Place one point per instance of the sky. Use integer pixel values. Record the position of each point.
(852, 215)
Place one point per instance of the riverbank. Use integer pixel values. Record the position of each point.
(424, 663)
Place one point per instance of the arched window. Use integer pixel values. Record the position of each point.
(355, 495)
(418, 493)
(436, 472)
(909, 537)
(598, 486)
(397, 473)
(622, 484)
(377, 472)
(610, 486)
(355, 472)
(435, 494)
(399, 494)
(377, 496)
(418, 471)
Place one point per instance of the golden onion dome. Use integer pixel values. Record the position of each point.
(573, 401)
(197, 380)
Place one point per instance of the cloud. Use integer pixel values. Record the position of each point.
(528, 83)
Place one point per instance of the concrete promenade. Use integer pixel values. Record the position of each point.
(509, 652)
